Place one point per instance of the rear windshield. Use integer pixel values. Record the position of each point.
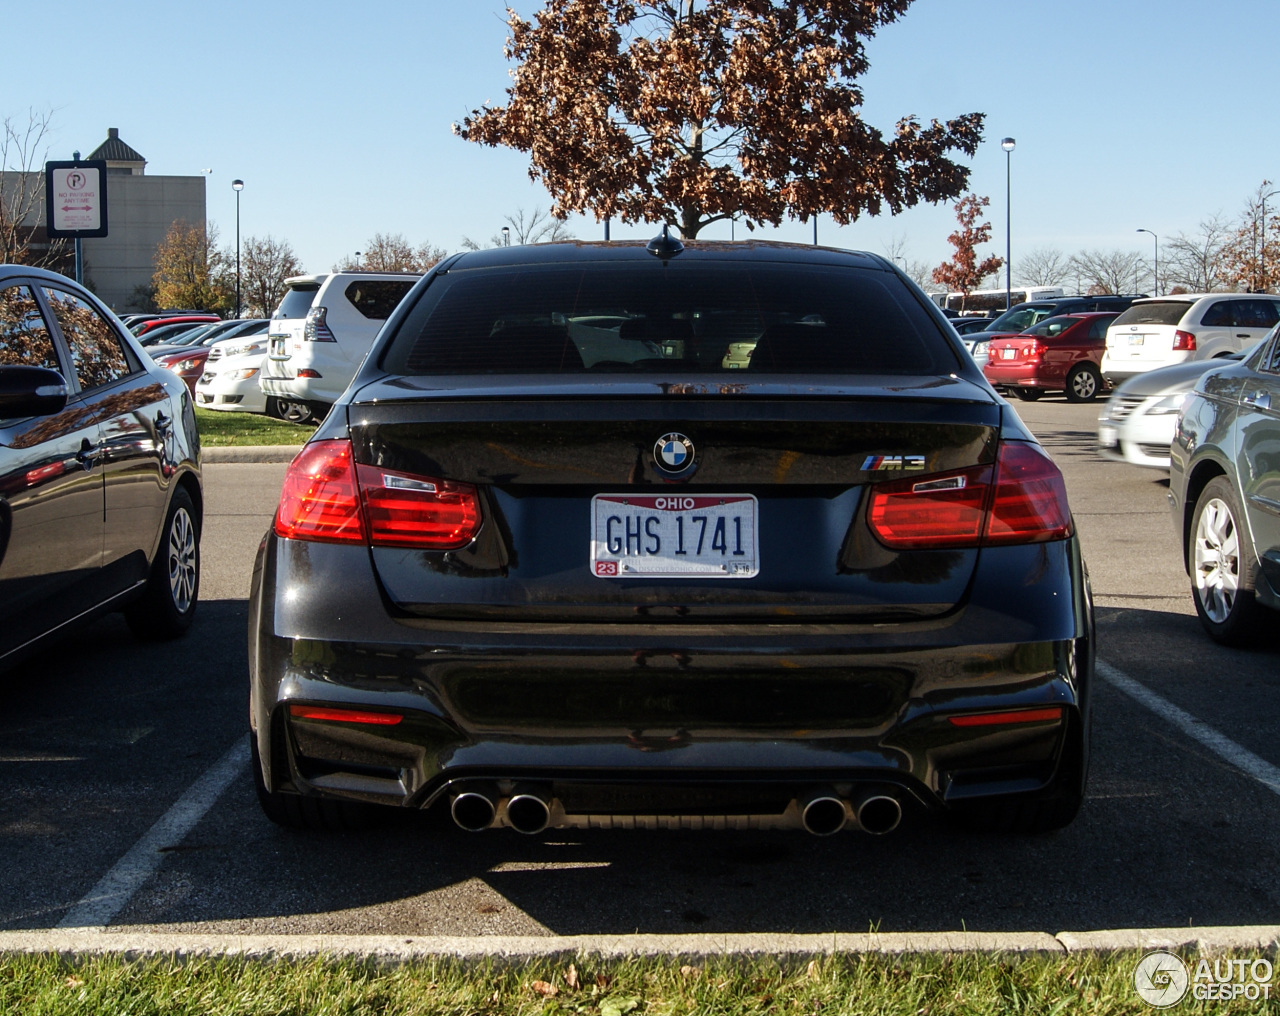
(673, 318)
(1050, 327)
(1163, 312)
(1020, 318)
(297, 301)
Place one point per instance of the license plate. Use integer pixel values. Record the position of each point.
(1107, 437)
(674, 536)
(1136, 340)
(1008, 354)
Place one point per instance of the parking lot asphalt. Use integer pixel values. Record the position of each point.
(100, 737)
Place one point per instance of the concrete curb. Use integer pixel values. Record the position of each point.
(97, 941)
(249, 453)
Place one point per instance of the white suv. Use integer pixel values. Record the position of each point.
(319, 335)
(1164, 330)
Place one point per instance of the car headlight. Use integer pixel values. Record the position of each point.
(191, 363)
(1169, 405)
(243, 375)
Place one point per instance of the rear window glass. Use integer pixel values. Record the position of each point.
(1163, 312)
(669, 319)
(376, 299)
(297, 301)
(1050, 327)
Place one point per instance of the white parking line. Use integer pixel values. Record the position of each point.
(1225, 748)
(116, 888)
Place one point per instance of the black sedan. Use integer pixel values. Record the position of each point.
(100, 488)
(704, 536)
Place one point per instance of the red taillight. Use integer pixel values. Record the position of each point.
(1026, 503)
(308, 372)
(404, 510)
(1052, 714)
(1035, 350)
(328, 499)
(345, 715)
(320, 501)
(1030, 503)
(1184, 340)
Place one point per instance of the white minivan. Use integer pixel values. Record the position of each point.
(1164, 330)
(319, 335)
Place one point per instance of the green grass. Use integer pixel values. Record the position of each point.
(220, 429)
(872, 985)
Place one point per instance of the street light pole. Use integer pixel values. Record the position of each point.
(1156, 270)
(1262, 251)
(1008, 144)
(506, 236)
(237, 186)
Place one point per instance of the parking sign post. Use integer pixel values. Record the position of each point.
(75, 202)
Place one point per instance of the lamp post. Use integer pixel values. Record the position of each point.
(237, 186)
(358, 253)
(1008, 144)
(1262, 251)
(506, 236)
(1156, 270)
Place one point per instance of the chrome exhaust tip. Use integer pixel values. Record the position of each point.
(528, 812)
(473, 811)
(878, 814)
(823, 814)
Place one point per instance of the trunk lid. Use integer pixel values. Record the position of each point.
(545, 456)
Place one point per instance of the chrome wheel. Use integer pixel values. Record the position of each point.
(1216, 560)
(1083, 385)
(182, 560)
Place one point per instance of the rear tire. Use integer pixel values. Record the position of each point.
(168, 603)
(293, 811)
(1083, 383)
(287, 409)
(1223, 569)
(1028, 394)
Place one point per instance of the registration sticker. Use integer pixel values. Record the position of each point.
(674, 536)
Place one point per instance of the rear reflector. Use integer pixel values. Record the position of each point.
(308, 372)
(328, 499)
(1184, 340)
(345, 715)
(1052, 714)
(1026, 503)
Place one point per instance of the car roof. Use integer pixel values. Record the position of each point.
(582, 251)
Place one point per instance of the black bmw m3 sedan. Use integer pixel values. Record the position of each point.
(671, 536)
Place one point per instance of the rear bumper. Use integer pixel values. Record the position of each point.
(642, 719)
(1019, 375)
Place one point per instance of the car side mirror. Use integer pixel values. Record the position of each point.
(31, 391)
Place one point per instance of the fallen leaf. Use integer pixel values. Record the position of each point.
(603, 981)
(571, 977)
(618, 1006)
(813, 972)
(544, 989)
(687, 971)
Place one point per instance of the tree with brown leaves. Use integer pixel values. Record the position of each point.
(693, 111)
(191, 272)
(265, 264)
(964, 272)
(392, 252)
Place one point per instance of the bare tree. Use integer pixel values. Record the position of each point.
(536, 227)
(264, 265)
(1251, 254)
(392, 252)
(1194, 260)
(1116, 271)
(23, 152)
(895, 249)
(1044, 266)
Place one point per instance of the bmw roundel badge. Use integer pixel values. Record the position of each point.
(673, 453)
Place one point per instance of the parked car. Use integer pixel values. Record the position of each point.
(165, 334)
(549, 562)
(208, 335)
(1224, 477)
(1026, 315)
(141, 328)
(1061, 353)
(100, 487)
(231, 374)
(1138, 421)
(187, 363)
(320, 333)
(967, 325)
(1172, 329)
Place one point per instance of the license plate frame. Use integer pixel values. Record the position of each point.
(640, 536)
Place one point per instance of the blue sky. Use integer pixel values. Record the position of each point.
(1127, 113)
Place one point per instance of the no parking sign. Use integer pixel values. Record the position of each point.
(75, 198)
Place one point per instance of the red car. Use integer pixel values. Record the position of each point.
(140, 328)
(1059, 354)
(188, 364)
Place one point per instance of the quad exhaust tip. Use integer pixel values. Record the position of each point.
(823, 815)
(528, 812)
(878, 814)
(473, 811)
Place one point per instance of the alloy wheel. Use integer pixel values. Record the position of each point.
(182, 560)
(1216, 560)
(1085, 385)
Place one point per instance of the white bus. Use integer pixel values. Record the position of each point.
(986, 300)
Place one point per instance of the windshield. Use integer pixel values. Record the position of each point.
(1019, 319)
(680, 318)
